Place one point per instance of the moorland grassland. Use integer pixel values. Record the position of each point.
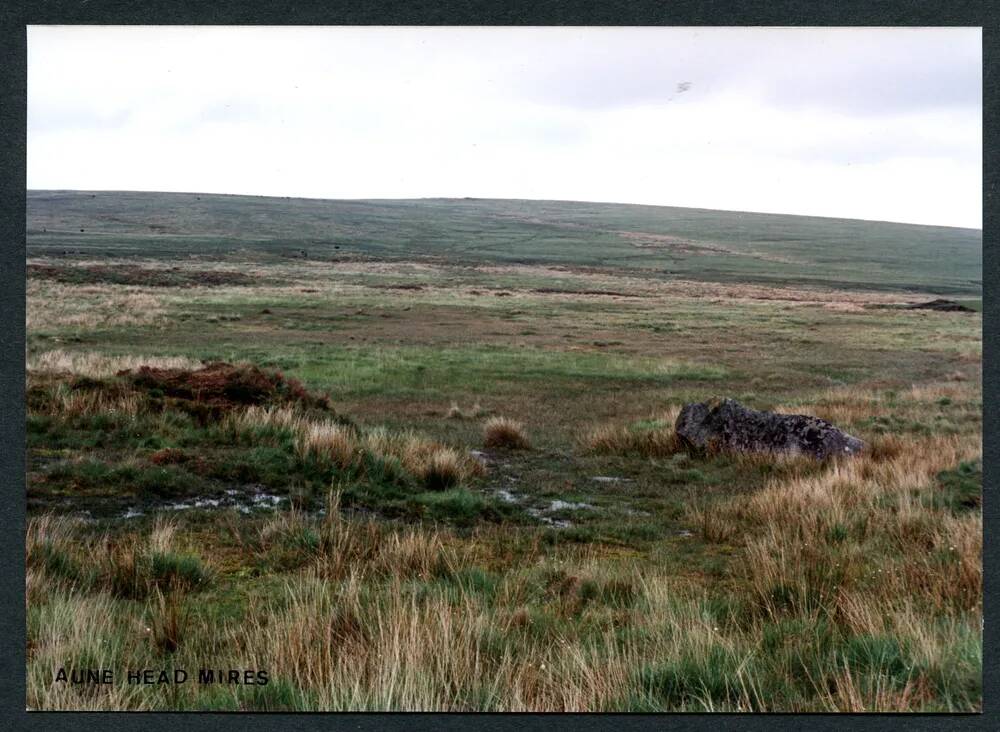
(420, 456)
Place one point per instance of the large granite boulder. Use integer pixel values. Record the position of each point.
(725, 424)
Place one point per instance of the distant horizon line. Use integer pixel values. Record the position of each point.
(493, 198)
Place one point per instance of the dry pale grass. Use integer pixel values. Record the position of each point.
(851, 694)
(73, 626)
(362, 549)
(284, 417)
(505, 432)
(436, 465)
(923, 553)
(846, 405)
(329, 441)
(415, 553)
(161, 536)
(444, 468)
(99, 365)
(48, 530)
(427, 459)
(406, 653)
(54, 306)
(622, 440)
(70, 403)
(381, 619)
(412, 651)
(658, 440)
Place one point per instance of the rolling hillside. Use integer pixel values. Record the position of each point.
(659, 241)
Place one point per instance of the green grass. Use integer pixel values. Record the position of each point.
(960, 489)
(718, 245)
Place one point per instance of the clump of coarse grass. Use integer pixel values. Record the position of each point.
(442, 470)
(328, 440)
(161, 537)
(48, 530)
(81, 396)
(430, 462)
(283, 417)
(168, 620)
(505, 432)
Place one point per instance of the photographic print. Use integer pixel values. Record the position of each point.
(521, 369)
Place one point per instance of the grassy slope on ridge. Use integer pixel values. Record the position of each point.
(675, 242)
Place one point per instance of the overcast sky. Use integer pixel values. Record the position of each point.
(861, 123)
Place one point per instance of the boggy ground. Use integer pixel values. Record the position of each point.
(406, 556)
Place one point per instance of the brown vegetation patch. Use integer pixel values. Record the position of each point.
(168, 456)
(563, 291)
(676, 244)
(207, 393)
(390, 286)
(127, 274)
(224, 386)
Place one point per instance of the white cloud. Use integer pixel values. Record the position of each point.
(877, 123)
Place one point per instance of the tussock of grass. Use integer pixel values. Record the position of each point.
(55, 306)
(443, 469)
(505, 432)
(328, 441)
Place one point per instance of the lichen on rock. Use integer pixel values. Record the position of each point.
(725, 424)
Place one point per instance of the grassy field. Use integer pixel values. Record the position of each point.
(435, 469)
